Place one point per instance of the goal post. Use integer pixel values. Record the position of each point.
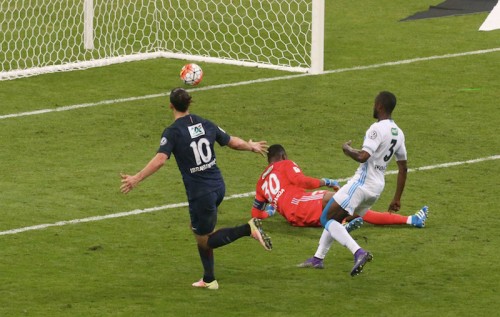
(43, 36)
(88, 24)
(317, 36)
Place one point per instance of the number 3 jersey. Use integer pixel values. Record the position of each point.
(191, 139)
(284, 186)
(383, 140)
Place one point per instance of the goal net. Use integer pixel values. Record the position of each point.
(43, 36)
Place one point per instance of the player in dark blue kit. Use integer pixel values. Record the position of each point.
(191, 140)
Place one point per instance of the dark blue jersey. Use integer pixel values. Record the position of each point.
(191, 140)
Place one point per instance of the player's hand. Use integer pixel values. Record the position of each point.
(346, 147)
(259, 147)
(270, 210)
(128, 183)
(332, 183)
(395, 206)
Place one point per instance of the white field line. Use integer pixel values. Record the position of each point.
(184, 204)
(249, 82)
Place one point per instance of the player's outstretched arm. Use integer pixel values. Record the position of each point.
(237, 143)
(332, 183)
(131, 181)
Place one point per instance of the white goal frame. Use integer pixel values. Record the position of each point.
(96, 44)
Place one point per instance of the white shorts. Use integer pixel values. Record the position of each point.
(354, 198)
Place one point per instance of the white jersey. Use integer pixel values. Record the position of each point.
(383, 140)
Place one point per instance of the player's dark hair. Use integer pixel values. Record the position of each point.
(275, 151)
(387, 100)
(180, 99)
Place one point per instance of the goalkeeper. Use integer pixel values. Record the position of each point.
(283, 188)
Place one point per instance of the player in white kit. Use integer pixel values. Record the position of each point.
(383, 140)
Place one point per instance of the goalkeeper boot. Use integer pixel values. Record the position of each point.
(419, 218)
(361, 257)
(202, 284)
(314, 262)
(258, 234)
(354, 224)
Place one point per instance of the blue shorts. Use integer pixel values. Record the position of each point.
(203, 211)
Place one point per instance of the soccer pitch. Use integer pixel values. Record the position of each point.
(73, 245)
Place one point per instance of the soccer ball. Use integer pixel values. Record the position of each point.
(191, 74)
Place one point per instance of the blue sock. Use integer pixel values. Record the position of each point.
(207, 259)
(225, 236)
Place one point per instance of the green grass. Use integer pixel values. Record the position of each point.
(65, 165)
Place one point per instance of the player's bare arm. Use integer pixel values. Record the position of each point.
(237, 143)
(357, 155)
(402, 171)
(131, 181)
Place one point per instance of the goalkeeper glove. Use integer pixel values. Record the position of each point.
(333, 183)
(270, 210)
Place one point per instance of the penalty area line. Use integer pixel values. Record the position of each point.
(235, 196)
